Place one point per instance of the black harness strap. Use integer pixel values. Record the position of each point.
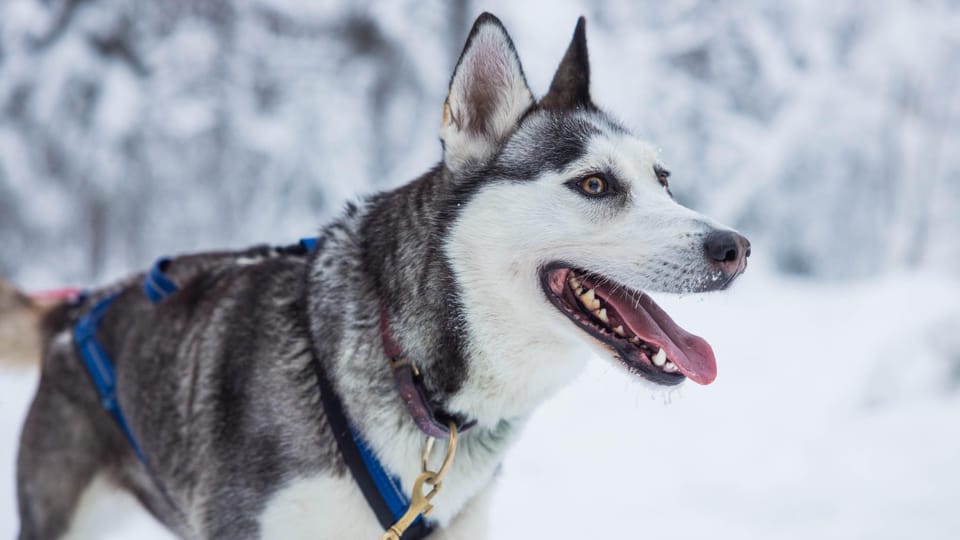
(353, 457)
(381, 491)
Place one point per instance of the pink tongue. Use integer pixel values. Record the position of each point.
(692, 354)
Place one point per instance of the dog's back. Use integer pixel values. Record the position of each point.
(183, 366)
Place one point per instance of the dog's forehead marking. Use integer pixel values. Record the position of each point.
(631, 158)
(552, 141)
(547, 141)
(610, 148)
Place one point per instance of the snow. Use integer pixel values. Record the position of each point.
(803, 435)
(826, 131)
(834, 416)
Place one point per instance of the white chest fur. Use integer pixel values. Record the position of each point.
(327, 507)
(319, 507)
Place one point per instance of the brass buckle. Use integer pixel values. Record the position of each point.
(399, 363)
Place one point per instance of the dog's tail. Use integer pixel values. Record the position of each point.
(21, 323)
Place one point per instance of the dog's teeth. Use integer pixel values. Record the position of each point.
(660, 359)
(670, 367)
(588, 297)
(602, 315)
(575, 282)
(635, 339)
(589, 300)
(619, 331)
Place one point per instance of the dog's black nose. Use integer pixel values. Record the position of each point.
(727, 250)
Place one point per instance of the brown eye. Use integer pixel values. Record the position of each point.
(593, 185)
(663, 176)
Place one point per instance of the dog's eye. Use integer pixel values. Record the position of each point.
(593, 185)
(662, 175)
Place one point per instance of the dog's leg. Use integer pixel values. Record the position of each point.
(59, 456)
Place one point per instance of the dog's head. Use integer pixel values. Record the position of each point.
(565, 220)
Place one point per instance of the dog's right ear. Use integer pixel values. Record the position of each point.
(488, 96)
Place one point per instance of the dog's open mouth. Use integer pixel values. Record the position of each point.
(630, 323)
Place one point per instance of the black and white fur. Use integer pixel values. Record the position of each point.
(216, 380)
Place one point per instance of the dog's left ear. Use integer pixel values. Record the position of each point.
(488, 96)
(570, 88)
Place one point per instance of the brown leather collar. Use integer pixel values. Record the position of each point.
(434, 422)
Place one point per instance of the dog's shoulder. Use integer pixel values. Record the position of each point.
(240, 280)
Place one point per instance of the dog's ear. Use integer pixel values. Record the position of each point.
(488, 95)
(570, 88)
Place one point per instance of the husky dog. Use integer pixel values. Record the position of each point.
(533, 243)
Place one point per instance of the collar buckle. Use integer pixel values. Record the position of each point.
(404, 362)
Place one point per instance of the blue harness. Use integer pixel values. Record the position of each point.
(100, 367)
(382, 490)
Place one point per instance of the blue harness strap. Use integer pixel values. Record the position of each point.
(388, 486)
(383, 491)
(309, 243)
(157, 285)
(100, 367)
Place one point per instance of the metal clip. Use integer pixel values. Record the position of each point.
(447, 459)
(419, 505)
(420, 501)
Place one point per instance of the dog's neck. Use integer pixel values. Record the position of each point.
(378, 255)
(482, 355)
(381, 256)
(390, 253)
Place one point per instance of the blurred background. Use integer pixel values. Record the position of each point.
(827, 132)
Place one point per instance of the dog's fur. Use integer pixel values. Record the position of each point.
(216, 380)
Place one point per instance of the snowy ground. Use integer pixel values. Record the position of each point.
(834, 416)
